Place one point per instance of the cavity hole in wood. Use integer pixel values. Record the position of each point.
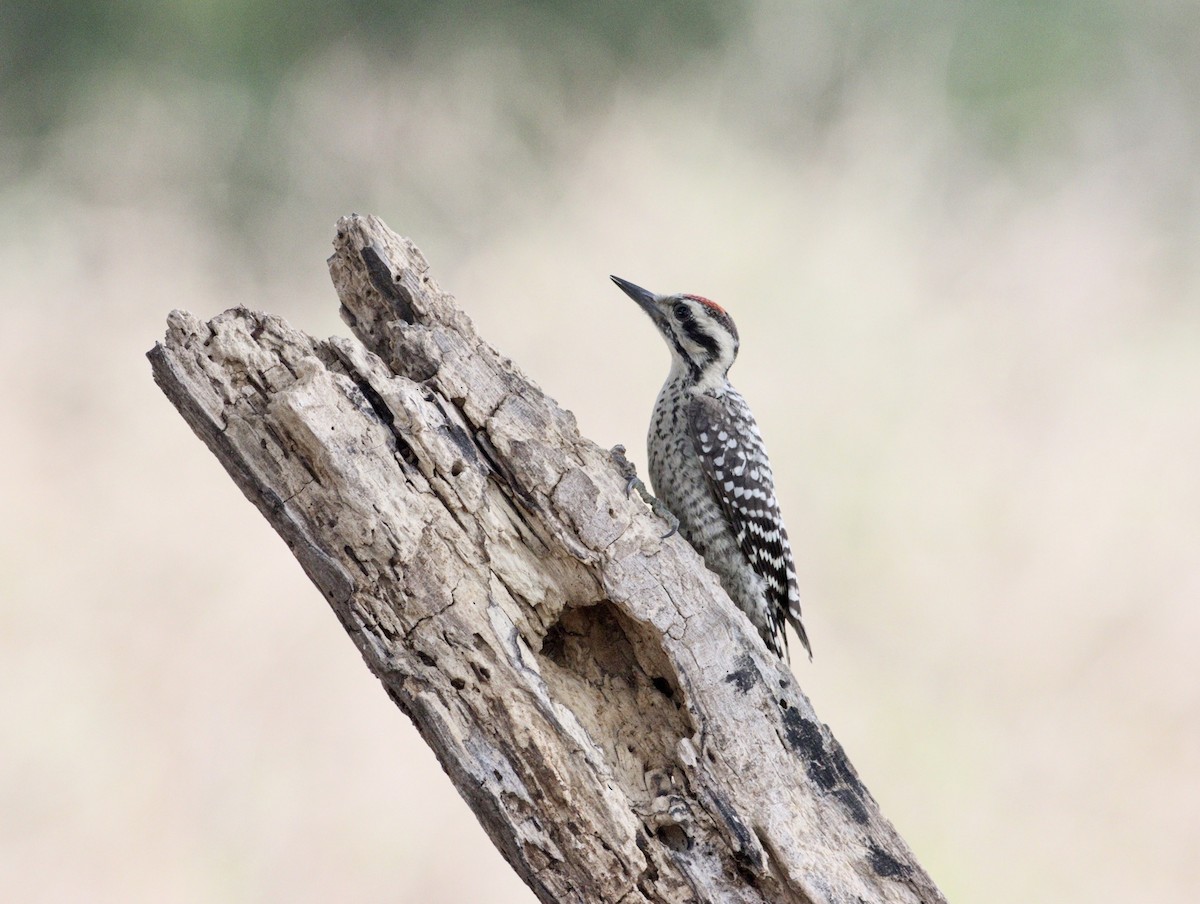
(611, 672)
(674, 837)
(663, 686)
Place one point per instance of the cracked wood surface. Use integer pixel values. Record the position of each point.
(614, 722)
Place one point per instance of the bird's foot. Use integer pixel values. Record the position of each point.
(633, 482)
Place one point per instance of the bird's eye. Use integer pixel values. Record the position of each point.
(680, 310)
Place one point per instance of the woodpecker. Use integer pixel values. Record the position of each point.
(709, 466)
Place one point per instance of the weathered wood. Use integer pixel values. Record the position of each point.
(616, 725)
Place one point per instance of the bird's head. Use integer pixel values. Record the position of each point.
(701, 335)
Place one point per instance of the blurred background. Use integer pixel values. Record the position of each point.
(959, 241)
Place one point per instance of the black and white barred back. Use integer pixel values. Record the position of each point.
(709, 466)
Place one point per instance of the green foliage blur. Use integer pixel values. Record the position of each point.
(1012, 72)
(1011, 66)
(50, 53)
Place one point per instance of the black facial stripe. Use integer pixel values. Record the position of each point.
(693, 366)
(697, 334)
(723, 320)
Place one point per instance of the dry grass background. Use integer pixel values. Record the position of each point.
(979, 378)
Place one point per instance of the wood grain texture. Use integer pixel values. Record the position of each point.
(617, 727)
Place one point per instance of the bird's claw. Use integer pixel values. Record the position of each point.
(659, 508)
(633, 482)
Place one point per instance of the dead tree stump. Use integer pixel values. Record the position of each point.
(616, 725)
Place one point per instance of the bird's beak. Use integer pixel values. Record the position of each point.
(646, 299)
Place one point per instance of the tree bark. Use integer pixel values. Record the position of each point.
(613, 720)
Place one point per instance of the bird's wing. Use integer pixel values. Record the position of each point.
(735, 462)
